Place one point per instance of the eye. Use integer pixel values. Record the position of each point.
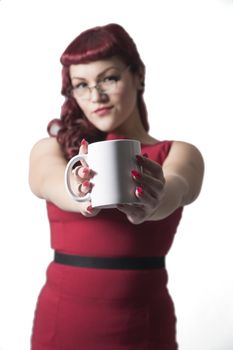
(111, 78)
(80, 86)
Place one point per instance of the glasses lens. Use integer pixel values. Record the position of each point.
(82, 92)
(107, 85)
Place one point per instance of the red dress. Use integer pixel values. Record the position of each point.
(83, 308)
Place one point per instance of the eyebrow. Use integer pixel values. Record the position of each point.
(104, 71)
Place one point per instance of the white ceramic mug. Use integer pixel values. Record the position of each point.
(112, 162)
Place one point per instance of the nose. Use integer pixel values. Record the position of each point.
(97, 95)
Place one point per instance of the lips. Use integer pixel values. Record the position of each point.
(103, 110)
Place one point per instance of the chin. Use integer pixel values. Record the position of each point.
(106, 126)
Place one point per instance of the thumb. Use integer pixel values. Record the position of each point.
(83, 150)
(83, 147)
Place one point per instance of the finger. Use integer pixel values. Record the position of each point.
(89, 211)
(129, 209)
(147, 199)
(83, 149)
(84, 188)
(150, 184)
(81, 172)
(150, 167)
(135, 213)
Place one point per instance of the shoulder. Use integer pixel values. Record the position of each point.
(185, 154)
(46, 145)
(185, 162)
(185, 159)
(46, 142)
(182, 145)
(181, 150)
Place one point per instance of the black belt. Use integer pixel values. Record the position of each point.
(123, 263)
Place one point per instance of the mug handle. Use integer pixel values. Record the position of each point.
(68, 171)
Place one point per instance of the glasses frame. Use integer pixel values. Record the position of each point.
(97, 87)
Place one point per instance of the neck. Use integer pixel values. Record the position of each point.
(133, 129)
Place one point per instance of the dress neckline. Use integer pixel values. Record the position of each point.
(114, 136)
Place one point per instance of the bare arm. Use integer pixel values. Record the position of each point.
(183, 171)
(164, 189)
(46, 175)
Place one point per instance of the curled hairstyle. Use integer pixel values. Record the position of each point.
(91, 45)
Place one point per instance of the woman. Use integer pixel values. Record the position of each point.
(120, 307)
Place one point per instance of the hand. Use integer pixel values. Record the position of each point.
(149, 188)
(82, 175)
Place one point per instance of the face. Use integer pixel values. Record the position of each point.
(106, 110)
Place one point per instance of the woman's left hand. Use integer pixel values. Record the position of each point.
(149, 188)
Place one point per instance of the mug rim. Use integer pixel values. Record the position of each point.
(115, 141)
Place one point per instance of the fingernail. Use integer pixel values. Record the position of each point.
(139, 159)
(139, 191)
(145, 155)
(89, 208)
(86, 183)
(84, 142)
(135, 174)
(86, 171)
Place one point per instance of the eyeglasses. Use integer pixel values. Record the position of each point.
(108, 85)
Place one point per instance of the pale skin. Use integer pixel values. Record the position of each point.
(160, 190)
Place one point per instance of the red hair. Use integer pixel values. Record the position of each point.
(92, 45)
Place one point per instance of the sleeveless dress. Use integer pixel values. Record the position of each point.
(83, 308)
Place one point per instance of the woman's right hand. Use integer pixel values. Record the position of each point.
(81, 183)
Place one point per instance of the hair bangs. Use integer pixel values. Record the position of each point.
(91, 46)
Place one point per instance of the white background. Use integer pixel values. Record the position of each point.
(187, 47)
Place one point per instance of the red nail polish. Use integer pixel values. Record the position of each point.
(86, 183)
(139, 191)
(135, 174)
(84, 142)
(89, 208)
(139, 159)
(86, 171)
